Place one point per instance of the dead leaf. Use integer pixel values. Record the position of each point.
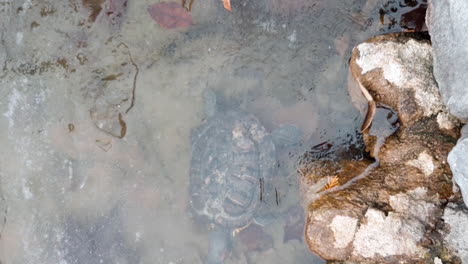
(227, 5)
(332, 182)
(170, 15)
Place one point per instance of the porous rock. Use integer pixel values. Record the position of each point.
(394, 212)
(397, 70)
(456, 220)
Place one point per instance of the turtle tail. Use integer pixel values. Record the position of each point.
(220, 242)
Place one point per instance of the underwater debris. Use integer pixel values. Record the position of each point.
(332, 182)
(170, 15)
(71, 127)
(227, 5)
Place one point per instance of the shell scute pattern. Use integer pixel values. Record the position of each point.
(231, 152)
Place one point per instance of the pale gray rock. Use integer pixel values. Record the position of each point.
(413, 204)
(376, 236)
(406, 65)
(398, 68)
(397, 233)
(458, 162)
(424, 162)
(456, 237)
(386, 236)
(447, 23)
(343, 228)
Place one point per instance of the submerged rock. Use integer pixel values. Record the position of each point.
(447, 23)
(388, 208)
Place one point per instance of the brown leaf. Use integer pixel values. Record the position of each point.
(332, 182)
(170, 15)
(227, 5)
(95, 6)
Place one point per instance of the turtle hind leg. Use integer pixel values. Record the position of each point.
(220, 243)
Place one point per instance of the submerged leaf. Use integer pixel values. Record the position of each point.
(170, 15)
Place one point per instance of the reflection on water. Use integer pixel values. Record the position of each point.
(404, 15)
(100, 106)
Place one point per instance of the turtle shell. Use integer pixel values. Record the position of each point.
(232, 154)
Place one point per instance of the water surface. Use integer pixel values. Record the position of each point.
(99, 107)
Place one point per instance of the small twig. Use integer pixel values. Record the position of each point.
(261, 188)
(277, 197)
(123, 126)
(132, 101)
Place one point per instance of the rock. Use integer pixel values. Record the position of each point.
(388, 236)
(447, 23)
(457, 221)
(370, 233)
(397, 71)
(388, 209)
(457, 159)
(424, 162)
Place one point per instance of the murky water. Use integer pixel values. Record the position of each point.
(100, 105)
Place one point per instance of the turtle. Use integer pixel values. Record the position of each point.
(233, 158)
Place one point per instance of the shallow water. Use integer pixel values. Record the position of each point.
(98, 114)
